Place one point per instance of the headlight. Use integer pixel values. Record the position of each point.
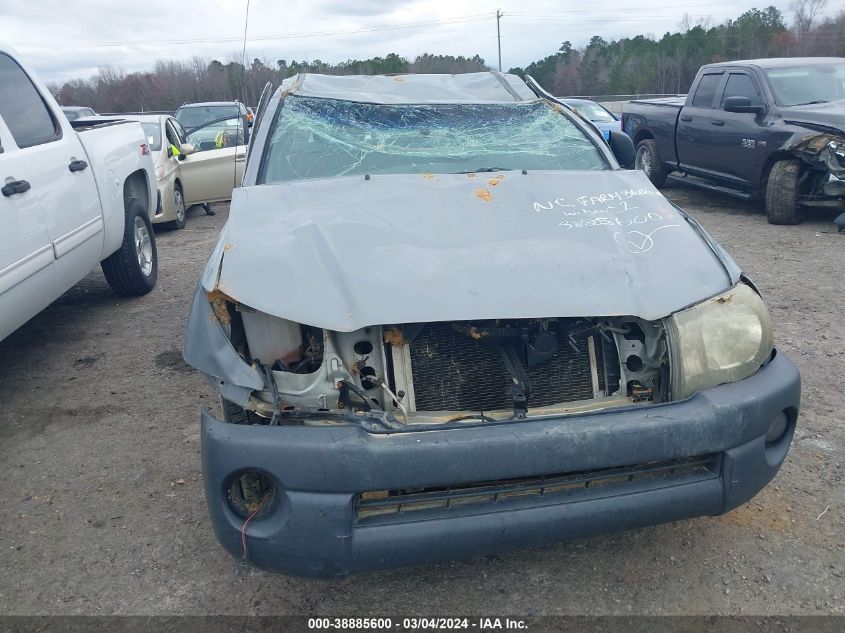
(723, 339)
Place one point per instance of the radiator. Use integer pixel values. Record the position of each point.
(456, 372)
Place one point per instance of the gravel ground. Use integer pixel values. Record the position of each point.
(105, 513)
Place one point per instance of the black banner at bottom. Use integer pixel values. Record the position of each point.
(294, 624)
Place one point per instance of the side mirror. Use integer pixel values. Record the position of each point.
(742, 104)
(185, 149)
(622, 147)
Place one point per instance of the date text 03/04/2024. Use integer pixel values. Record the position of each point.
(417, 623)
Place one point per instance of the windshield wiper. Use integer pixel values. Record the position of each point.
(812, 102)
(482, 170)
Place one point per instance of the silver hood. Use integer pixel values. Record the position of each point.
(349, 252)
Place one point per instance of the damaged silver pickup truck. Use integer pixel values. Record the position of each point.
(443, 323)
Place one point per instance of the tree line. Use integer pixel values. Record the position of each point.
(172, 83)
(630, 65)
(642, 65)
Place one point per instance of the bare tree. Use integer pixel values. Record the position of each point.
(804, 14)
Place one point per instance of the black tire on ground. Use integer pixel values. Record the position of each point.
(782, 193)
(648, 161)
(132, 269)
(181, 209)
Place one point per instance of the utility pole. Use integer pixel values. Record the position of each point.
(499, 36)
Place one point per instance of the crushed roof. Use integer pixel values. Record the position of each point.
(483, 87)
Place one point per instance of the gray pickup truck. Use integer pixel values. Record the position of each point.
(771, 129)
(443, 322)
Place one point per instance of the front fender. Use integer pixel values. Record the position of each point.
(208, 349)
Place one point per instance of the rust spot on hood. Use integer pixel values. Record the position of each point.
(228, 246)
(495, 180)
(219, 301)
(428, 176)
(483, 194)
(472, 175)
(394, 336)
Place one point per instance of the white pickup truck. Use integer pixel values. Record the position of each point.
(73, 196)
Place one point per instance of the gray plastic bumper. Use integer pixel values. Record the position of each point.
(311, 526)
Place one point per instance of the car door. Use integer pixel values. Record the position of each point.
(699, 128)
(26, 252)
(171, 164)
(217, 164)
(745, 136)
(62, 180)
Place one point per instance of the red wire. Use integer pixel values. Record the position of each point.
(246, 523)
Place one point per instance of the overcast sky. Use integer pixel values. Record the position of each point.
(64, 39)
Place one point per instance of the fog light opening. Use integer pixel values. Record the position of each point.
(249, 492)
(777, 429)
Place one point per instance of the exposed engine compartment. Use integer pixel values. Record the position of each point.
(444, 372)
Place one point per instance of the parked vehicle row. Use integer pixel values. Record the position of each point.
(773, 129)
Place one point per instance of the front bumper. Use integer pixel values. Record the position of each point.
(311, 527)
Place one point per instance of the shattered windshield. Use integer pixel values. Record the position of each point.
(324, 138)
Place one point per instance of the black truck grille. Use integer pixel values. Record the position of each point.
(455, 372)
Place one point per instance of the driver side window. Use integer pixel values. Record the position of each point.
(741, 85)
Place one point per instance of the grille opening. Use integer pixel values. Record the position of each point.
(551, 488)
(457, 367)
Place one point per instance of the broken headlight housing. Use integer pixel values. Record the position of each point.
(723, 339)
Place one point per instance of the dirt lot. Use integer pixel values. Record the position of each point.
(104, 509)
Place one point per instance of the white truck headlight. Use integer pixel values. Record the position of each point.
(723, 339)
